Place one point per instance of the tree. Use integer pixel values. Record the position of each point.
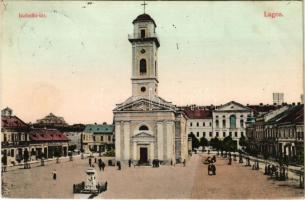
(216, 143)
(72, 147)
(4, 159)
(203, 142)
(229, 145)
(242, 141)
(195, 141)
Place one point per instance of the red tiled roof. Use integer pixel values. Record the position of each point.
(47, 135)
(196, 113)
(13, 122)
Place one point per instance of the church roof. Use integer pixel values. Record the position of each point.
(144, 18)
(156, 100)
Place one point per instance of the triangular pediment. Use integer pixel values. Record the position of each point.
(143, 135)
(144, 105)
(233, 106)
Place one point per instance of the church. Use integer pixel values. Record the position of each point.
(148, 127)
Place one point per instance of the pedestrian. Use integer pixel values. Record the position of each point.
(90, 162)
(119, 165)
(54, 174)
(214, 159)
(184, 162)
(103, 165)
(129, 163)
(94, 160)
(214, 169)
(210, 169)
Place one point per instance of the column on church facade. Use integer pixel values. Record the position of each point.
(160, 140)
(152, 151)
(126, 140)
(134, 151)
(117, 140)
(170, 143)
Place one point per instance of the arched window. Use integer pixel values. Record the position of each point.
(143, 66)
(242, 123)
(155, 68)
(217, 123)
(224, 123)
(143, 33)
(232, 121)
(143, 128)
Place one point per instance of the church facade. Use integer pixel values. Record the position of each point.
(146, 126)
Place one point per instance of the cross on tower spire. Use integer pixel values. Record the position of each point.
(144, 4)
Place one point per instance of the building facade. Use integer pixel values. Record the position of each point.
(19, 138)
(230, 120)
(279, 133)
(73, 133)
(15, 138)
(200, 122)
(146, 126)
(102, 136)
(220, 121)
(47, 143)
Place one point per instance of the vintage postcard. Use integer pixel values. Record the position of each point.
(152, 99)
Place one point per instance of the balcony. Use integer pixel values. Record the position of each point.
(15, 144)
(149, 37)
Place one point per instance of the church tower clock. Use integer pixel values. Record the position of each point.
(145, 44)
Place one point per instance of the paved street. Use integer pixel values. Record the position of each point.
(192, 181)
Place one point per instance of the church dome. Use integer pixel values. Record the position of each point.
(144, 18)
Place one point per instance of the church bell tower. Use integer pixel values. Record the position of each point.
(145, 44)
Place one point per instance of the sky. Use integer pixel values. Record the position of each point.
(76, 61)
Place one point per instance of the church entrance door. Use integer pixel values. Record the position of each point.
(143, 155)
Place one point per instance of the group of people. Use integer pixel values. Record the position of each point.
(100, 162)
(156, 163)
(211, 166)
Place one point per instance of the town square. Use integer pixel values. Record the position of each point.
(101, 109)
(192, 181)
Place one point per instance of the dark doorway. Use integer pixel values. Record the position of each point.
(143, 155)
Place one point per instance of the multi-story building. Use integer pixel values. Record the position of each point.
(230, 120)
(102, 136)
(220, 121)
(255, 129)
(73, 133)
(279, 133)
(14, 136)
(200, 122)
(86, 141)
(284, 133)
(48, 143)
